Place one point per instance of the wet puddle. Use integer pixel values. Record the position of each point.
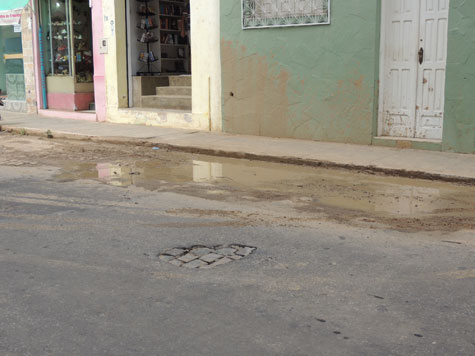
(296, 192)
(307, 187)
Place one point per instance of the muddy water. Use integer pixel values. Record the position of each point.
(344, 196)
(306, 192)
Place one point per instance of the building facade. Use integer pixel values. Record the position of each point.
(135, 98)
(389, 72)
(373, 72)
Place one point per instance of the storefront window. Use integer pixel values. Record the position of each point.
(67, 36)
(66, 27)
(59, 37)
(82, 39)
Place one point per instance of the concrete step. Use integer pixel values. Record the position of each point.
(179, 80)
(185, 91)
(173, 102)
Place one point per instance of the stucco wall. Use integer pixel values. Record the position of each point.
(459, 120)
(115, 60)
(314, 82)
(206, 63)
(28, 60)
(320, 82)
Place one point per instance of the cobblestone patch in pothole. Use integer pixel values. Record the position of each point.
(204, 256)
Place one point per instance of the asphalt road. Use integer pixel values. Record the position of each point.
(79, 275)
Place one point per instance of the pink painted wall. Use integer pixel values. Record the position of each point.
(70, 102)
(99, 61)
(60, 101)
(82, 100)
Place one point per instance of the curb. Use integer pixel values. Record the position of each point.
(246, 155)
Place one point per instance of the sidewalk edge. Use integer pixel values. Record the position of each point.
(245, 155)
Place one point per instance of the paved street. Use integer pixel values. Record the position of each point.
(95, 239)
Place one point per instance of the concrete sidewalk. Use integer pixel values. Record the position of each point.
(404, 162)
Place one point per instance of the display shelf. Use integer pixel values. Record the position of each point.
(174, 36)
(168, 23)
(147, 28)
(147, 73)
(146, 13)
(150, 60)
(173, 16)
(147, 23)
(82, 39)
(153, 40)
(59, 34)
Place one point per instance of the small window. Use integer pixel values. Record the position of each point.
(283, 13)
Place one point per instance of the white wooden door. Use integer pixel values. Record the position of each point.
(400, 41)
(431, 74)
(414, 51)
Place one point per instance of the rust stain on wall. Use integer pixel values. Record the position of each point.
(255, 93)
(359, 82)
(261, 97)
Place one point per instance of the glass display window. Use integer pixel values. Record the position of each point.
(67, 35)
(82, 40)
(59, 38)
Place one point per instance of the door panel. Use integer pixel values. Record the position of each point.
(431, 74)
(401, 21)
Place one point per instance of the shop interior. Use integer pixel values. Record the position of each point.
(159, 54)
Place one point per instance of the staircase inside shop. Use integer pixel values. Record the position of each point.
(171, 93)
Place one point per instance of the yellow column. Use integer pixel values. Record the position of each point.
(116, 58)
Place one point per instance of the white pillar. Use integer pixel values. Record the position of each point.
(206, 63)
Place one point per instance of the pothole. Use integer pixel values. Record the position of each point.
(200, 256)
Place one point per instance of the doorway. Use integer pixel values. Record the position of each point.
(413, 61)
(159, 54)
(12, 77)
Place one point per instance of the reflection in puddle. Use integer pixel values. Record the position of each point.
(119, 175)
(116, 174)
(305, 186)
(207, 171)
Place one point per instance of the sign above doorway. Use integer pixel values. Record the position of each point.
(10, 11)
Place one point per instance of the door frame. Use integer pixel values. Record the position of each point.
(382, 66)
(382, 63)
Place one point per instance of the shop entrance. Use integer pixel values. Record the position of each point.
(159, 54)
(67, 57)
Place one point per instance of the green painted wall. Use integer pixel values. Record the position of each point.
(314, 82)
(459, 120)
(321, 82)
